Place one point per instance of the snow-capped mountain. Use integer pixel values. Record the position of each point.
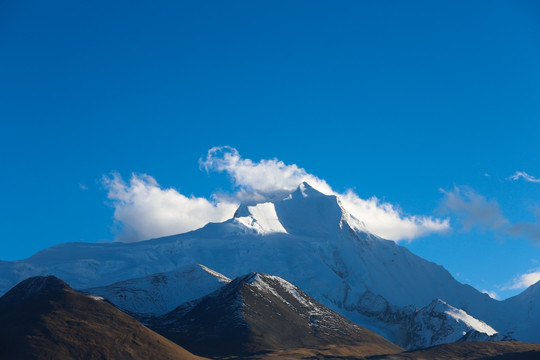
(440, 323)
(260, 313)
(160, 293)
(436, 323)
(306, 238)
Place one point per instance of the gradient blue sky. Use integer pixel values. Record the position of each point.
(394, 99)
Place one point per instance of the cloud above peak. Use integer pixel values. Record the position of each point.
(262, 178)
(268, 177)
(143, 209)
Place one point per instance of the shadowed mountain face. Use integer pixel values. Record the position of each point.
(43, 318)
(259, 313)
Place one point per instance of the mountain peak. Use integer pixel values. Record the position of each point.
(442, 323)
(304, 212)
(438, 305)
(308, 212)
(34, 286)
(260, 312)
(306, 190)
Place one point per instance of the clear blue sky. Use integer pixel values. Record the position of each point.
(395, 99)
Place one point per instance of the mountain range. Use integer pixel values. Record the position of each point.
(256, 316)
(308, 239)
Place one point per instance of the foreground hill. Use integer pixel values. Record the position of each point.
(43, 318)
(514, 350)
(260, 314)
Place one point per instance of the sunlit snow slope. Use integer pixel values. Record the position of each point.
(160, 293)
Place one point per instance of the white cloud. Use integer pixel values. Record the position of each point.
(523, 175)
(473, 209)
(492, 294)
(388, 221)
(524, 281)
(261, 179)
(145, 210)
(269, 177)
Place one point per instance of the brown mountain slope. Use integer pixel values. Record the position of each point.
(43, 318)
(499, 350)
(262, 315)
(503, 350)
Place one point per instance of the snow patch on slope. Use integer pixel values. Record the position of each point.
(461, 316)
(257, 282)
(220, 277)
(291, 289)
(162, 292)
(262, 218)
(439, 323)
(316, 315)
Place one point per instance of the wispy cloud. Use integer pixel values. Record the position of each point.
(523, 175)
(524, 281)
(528, 230)
(143, 209)
(473, 209)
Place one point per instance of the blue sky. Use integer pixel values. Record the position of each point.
(428, 106)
